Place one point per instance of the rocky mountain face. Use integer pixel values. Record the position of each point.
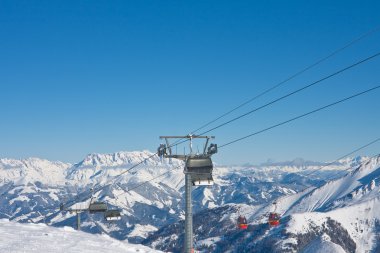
(152, 212)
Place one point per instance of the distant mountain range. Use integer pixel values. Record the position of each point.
(314, 207)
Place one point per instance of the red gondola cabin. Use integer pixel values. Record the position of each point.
(274, 219)
(242, 222)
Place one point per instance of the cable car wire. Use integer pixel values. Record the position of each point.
(354, 41)
(344, 156)
(321, 60)
(270, 89)
(258, 132)
(301, 116)
(287, 95)
(294, 92)
(266, 91)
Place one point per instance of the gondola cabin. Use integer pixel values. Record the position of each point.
(242, 222)
(112, 215)
(97, 207)
(200, 168)
(274, 219)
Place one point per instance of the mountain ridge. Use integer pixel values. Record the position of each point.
(34, 196)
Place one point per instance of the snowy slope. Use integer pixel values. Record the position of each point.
(354, 187)
(348, 205)
(323, 244)
(360, 220)
(339, 216)
(16, 237)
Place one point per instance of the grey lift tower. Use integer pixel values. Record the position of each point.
(198, 171)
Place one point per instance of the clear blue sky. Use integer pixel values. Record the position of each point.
(79, 77)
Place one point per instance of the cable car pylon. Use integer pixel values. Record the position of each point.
(198, 172)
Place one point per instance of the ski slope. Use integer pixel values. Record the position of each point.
(17, 237)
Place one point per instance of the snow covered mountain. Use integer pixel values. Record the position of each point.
(339, 216)
(24, 171)
(32, 190)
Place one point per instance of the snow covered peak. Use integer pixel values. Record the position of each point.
(367, 164)
(121, 158)
(32, 170)
(300, 162)
(101, 168)
(297, 162)
(32, 162)
(353, 188)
